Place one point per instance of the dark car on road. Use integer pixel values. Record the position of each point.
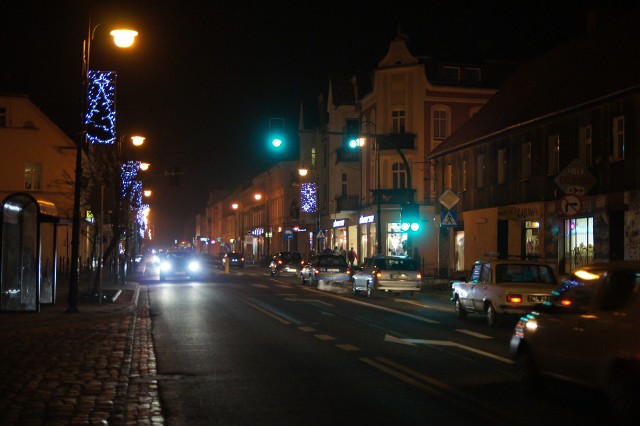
(287, 263)
(234, 259)
(588, 334)
(180, 265)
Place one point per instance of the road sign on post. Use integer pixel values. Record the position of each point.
(575, 179)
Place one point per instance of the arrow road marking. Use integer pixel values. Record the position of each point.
(414, 342)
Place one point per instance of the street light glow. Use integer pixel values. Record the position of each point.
(144, 166)
(137, 140)
(123, 38)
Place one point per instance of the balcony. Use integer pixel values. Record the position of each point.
(393, 196)
(347, 203)
(397, 140)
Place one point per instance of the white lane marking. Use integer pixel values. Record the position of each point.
(324, 337)
(264, 311)
(413, 342)
(296, 299)
(259, 285)
(348, 347)
(307, 329)
(473, 333)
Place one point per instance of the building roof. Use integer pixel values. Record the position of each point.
(600, 63)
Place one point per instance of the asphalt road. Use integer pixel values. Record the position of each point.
(245, 348)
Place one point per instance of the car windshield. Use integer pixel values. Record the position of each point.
(331, 261)
(517, 272)
(396, 264)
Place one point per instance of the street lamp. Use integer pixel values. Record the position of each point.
(122, 39)
(309, 198)
(237, 229)
(267, 231)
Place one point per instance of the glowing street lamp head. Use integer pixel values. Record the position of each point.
(258, 197)
(235, 206)
(144, 166)
(303, 171)
(147, 193)
(137, 140)
(123, 38)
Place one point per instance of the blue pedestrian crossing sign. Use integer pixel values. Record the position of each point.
(448, 218)
(320, 235)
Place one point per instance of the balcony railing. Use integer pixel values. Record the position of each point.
(393, 196)
(347, 202)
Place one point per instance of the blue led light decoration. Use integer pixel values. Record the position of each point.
(100, 118)
(308, 197)
(131, 188)
(141, 218)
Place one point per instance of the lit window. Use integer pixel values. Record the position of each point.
(440, 123)
(617, 148)
(586, 145)
(398, 121)
(399, 176)
(32, 176)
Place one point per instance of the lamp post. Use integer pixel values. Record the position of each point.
(267, 231)
(303, 172)
(122, 38)
(237, 229)
(125, 179)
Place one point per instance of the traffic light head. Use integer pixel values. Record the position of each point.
(276, 132)
(352, 133)
(410, 215)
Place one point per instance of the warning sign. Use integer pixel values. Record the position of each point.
(448, 218)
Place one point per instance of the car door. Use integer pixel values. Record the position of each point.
(465, 288)
(480, 289)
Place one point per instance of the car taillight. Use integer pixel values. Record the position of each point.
(566, 302)
(419, 276)
(279, 262)
(378, 274)
(514, 298)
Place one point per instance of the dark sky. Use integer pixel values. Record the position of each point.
(205, 76)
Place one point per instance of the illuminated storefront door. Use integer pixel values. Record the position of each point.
(578, 242)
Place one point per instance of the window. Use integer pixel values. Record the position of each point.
(617, 148)
(553, 154)
(398, 121)
(463, 185)
(448, 179)
(32, 176)
(440, 123)
(344, 184)
(313, 157)
(3, 117)
(451, 74)
(525, 161)
(399, 176)
(480, 171)
(586, 141)
(502, 164)
(473, 75)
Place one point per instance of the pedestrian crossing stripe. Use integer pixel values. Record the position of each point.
(448, 220)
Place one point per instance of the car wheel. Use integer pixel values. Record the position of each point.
(527, 373)
(354, 288)
(369, 290)
(625, 396)
(460, 312)
(492, 315)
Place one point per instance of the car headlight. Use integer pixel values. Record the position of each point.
(194, 266)
(165, 266)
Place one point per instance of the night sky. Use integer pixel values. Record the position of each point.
(205, 76)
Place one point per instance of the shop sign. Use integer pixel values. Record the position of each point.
(339, 223)
(367, 219)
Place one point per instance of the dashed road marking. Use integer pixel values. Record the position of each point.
(324, 337)
(473, 333)
(347, 347)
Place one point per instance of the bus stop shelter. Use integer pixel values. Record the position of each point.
(27, 253)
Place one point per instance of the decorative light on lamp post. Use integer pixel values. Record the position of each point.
(74, 276)
(267, 230)
(309, 199)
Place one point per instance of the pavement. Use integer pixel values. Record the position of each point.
(95, 366)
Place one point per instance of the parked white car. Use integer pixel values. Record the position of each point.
(503, 287)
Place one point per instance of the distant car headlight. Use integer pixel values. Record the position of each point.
(155, 259)
(165, 266)
(194, 266)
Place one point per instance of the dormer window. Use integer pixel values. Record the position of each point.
(451, 74)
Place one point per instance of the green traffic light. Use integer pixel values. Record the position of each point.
(276, 142)
(353, 143)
